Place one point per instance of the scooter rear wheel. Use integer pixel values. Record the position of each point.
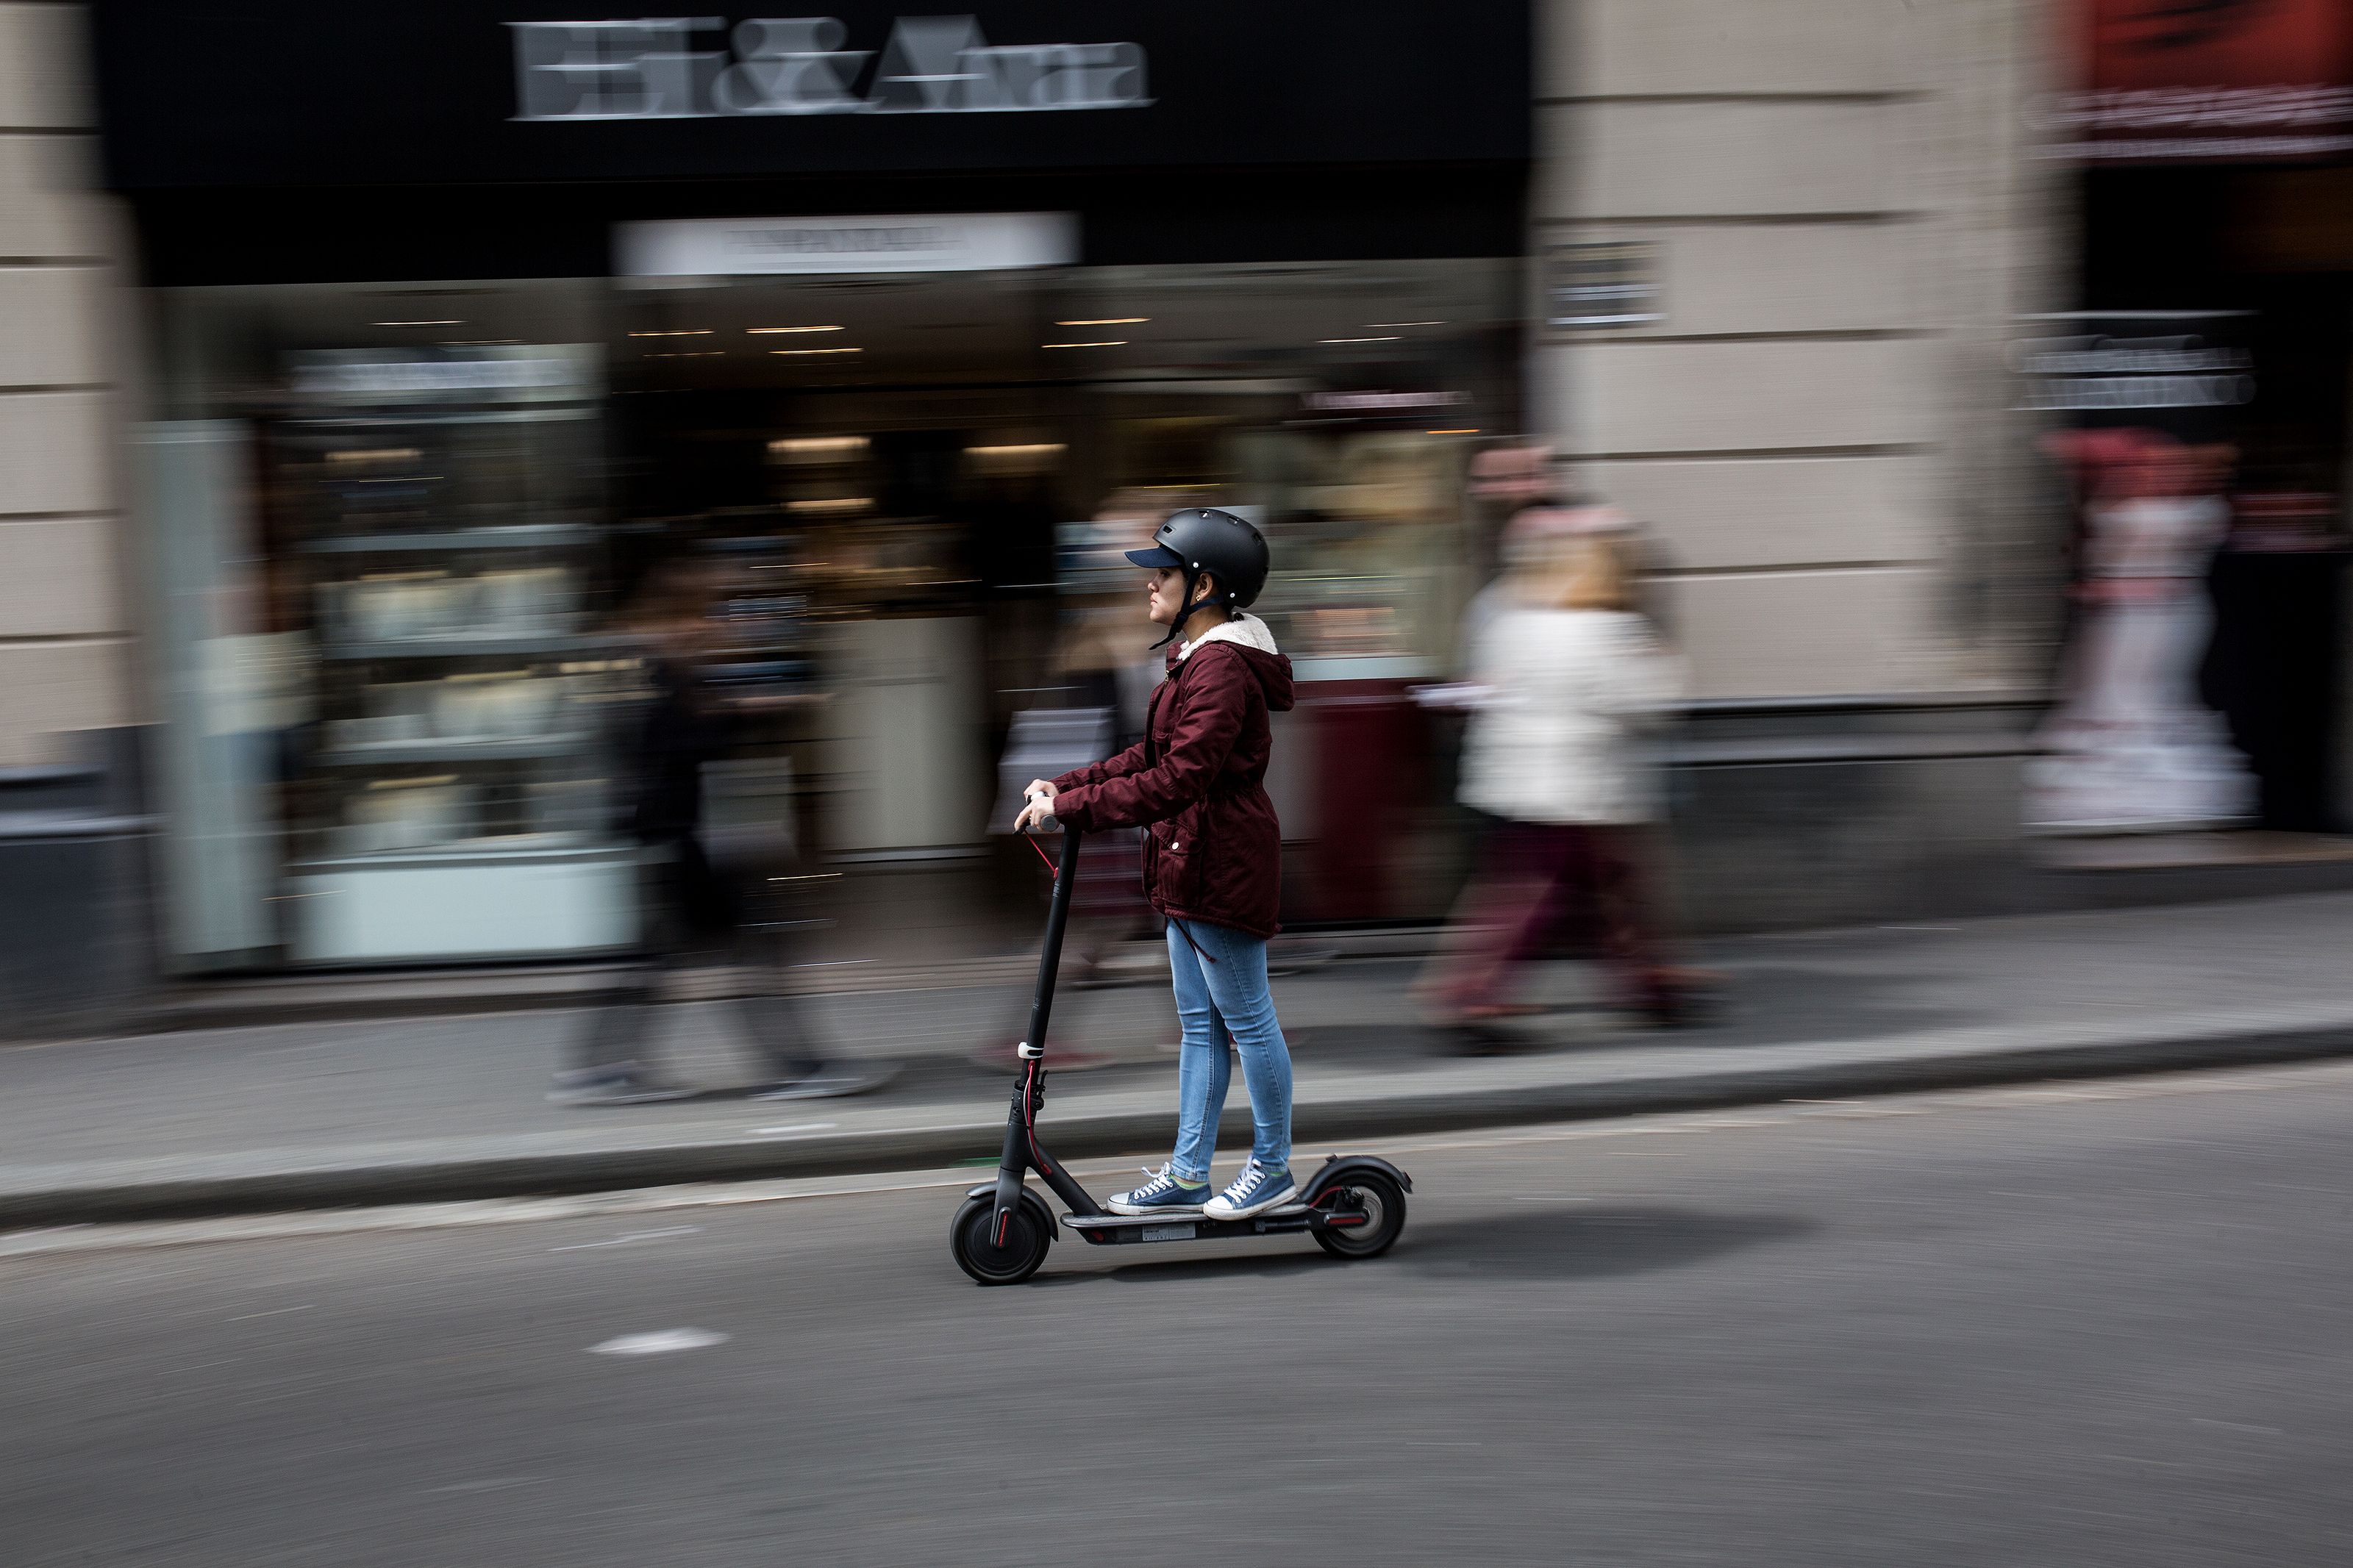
(1379, 1199)
(1029, 1232)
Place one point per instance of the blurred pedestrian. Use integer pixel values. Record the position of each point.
(1567, 676)
(1100, 659)
(1213, 857)
(694, 903)
(1103, 672)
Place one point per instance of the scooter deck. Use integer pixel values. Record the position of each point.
(1176, 1217)
(1121, 1229)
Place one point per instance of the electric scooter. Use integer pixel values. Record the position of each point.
(1353, 1207)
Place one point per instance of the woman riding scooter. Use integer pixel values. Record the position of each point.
(1212, 859)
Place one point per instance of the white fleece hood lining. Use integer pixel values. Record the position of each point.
(1244, 628)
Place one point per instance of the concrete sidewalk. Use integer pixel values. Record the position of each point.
(401, 1110)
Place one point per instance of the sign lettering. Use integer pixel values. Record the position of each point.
(664, 67)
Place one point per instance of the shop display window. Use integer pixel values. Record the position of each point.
(443, 496)
(451, 797)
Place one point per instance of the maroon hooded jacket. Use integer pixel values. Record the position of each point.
(1214, 851)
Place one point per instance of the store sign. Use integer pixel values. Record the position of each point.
(931, 242)
(2093, 373)
(542, 372)
(658, 68)
(357, 378)
(1382, 401)
(1592, 285)
(2238, 79)
(279, 93)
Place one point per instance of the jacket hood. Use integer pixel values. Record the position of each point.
(1251, 638)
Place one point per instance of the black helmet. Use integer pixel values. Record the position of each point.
(1202, 539)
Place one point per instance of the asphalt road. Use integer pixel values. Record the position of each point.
(2105, 1324)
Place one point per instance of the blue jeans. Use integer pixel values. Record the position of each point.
(1214, 999)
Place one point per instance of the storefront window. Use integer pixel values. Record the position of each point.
(454, 486)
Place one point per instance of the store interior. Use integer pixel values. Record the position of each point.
(449, 496)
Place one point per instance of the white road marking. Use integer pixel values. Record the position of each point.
(796, 1127)
(625, 1239)
(660, 1343)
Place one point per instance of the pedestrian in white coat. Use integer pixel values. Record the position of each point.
(1567, 679)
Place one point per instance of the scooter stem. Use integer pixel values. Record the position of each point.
(1018, 1157)
(1050, 957)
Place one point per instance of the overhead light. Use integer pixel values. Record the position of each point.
(1033, 450)
(451, 322)
(832, 503)
(1108, 322)
(1390, 340)
(815, 445)
(476, 342)
(1378, 326)
(674, 332)
(683, 353)
(1109, 343)
(800, 352)
(1469, 432)
(375, 455)
(770, 331)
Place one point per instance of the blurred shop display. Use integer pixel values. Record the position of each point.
(423, 543)
(450, 799)
(2132, 744)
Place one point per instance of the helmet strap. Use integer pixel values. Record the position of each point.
(1184, 616)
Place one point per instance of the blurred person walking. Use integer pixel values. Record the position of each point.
(1213, 862)
(694, 903)
(1567, 676)
(1104, 674)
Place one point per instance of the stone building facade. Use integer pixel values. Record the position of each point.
(1842, 218)
(65, 648)
(73, 918)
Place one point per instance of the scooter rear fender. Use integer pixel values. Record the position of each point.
(1337, 1170)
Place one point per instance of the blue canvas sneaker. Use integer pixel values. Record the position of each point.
(1255, 1189)
(1162, 1194)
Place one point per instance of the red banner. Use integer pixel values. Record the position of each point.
(2232, 80)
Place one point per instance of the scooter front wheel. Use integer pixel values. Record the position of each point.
(1371, 1211)
(1000, 1260)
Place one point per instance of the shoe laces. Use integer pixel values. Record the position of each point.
(1254, 1176)
(1162, 1180)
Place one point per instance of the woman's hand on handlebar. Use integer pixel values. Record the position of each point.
(1037, 806)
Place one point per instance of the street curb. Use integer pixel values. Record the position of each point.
(213, 1185)
(460, 993)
